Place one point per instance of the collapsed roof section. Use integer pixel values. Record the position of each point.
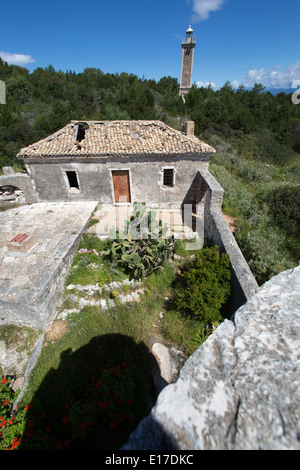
(105, 138)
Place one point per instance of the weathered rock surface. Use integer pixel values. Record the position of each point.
(241, 389)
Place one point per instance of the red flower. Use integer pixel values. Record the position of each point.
(48, 428)
(124, 364)
(3, 381)
(112, 425)
(122, 419)
(104, 405)
(6, 403)
(14, 443)
(30, 423)
(67, 442)
(43, 414)
(90, 423)
(65, 419)
(83, 425)
(97, 384)
(121, 401)
(30, 432)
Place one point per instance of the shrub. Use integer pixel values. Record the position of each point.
(203, 285)
(263, 247)
(102, 418)
(12, 422)
(107, 406)
(271, 151)
(283, 204)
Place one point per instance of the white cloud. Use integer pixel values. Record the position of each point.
(202, 8)
(206, 85)
(235, 84)
(16, 59)
(275, 78)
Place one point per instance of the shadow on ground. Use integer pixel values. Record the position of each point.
(94, 399)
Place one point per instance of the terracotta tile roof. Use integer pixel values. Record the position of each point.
(104, 138)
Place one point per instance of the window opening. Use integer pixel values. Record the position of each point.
(72, 179)
(169, 177)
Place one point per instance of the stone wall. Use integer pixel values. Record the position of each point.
(244, 284)
(241, 389)
(95, 178)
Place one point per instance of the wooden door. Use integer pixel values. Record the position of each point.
(121, 186)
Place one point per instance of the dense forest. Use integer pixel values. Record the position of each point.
(256, 135)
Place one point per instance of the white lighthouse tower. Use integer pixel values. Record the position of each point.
(188, 46)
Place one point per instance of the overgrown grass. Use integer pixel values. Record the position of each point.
(89, 253)
(19, 341)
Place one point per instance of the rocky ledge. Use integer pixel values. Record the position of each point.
(241, 389)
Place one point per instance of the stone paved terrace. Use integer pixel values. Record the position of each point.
(115, 216)
(30, 282)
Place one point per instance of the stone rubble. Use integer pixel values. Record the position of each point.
(10, 194)
(105, 304)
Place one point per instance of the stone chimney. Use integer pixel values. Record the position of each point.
(190, 128)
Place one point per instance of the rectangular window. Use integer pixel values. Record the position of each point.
(168, 177)
(72, 179)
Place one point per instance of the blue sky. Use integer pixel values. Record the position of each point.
(237, 40)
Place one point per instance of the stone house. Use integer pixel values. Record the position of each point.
(118, 162)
